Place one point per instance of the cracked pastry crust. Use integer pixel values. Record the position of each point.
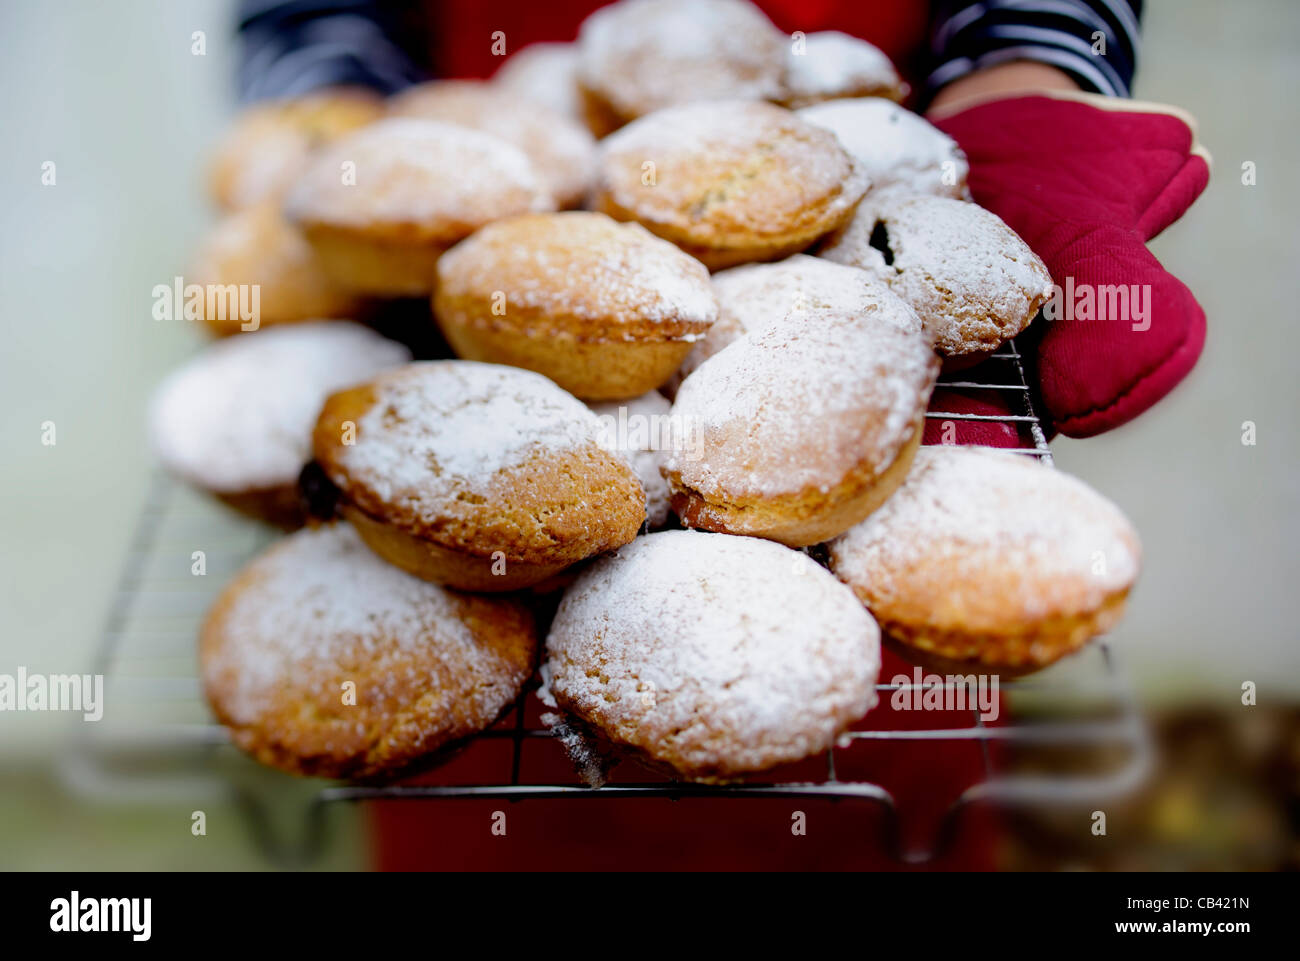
(730, 181)
(477, 476)
(323, 660)
(974, 282)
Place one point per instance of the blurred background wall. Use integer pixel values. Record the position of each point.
(115, 97)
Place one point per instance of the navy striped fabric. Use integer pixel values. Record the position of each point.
(291, 47)
(1094, 41)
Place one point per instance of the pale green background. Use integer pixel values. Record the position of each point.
(113, 95)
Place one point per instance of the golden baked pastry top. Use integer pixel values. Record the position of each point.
(416, 180)
(726, 174)
(480, 458)
(323, 659)
(579, 276)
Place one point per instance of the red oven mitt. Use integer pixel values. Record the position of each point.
(1087, 181)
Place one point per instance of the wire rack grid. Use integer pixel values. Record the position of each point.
(148, 659)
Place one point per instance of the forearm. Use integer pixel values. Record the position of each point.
(995, 47)
(1020, 76)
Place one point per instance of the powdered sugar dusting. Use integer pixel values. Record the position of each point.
(989, 532)
(897, 148)
(755, 296)
(720, 654)
(442, 426)
(973, 282)
(802, 402)
(646, 54)
(759, 164)
(583, 265)
(833, 64)
(546, 73)
(317, 601)
(411, 171)
(562, 150)
(239, 416)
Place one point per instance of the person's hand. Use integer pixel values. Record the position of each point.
(1087, 181)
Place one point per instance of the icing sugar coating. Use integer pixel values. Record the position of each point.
(562, 151)
(643, 55)
(589, 275)
(239, 416)
(713, 654)
(440, 427)
(804, 402)
(897, 148)
(320, 609)
(479, 458)
(973, 282)
(981, 540)
(546, 73)
(729, 174)
(753, 296)
(834, 64)
(417, 178)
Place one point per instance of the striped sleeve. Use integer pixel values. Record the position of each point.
(292, 47)
(1094, 41)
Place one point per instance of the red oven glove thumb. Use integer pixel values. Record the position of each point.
(1087, 181)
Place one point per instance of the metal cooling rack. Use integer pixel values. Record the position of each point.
(159, 744)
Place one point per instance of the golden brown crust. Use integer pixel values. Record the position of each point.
(430, 561)
(592, 371)
(1024, 650)
(729, 182)
(381, 205)
(277, 679)
(987, 557)
(604, 309)
(576, 275)
(600, 116)
(380, 267)
(270, 144)
(808, 517)
(257, 246)
(552, 509)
